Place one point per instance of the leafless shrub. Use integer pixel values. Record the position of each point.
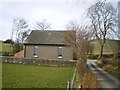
(79, 38)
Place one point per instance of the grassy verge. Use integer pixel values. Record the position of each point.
(87, 78)
(77, 81)
(111, 66)
(29, 76)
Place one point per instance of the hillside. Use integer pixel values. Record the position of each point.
(111, 46)
(5, 48)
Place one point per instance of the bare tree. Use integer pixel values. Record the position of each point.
(19, 32)
(43, 25)
(23, 35)
(103, 18)
(79, 38)
(19, 25)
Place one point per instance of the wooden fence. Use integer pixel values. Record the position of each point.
(70, 83)
(38, 61)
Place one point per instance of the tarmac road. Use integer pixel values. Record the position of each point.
(106, 80)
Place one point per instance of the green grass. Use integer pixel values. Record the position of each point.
(112, 67)
(77, 81)
(115, 73)
(109, 47)
(29, 76)
(5, 47)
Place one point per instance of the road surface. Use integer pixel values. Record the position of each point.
(106, 80)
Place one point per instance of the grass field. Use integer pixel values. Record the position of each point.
(109, 47)
(29, 76)
(5, 47)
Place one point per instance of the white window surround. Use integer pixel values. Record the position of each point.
(35, 56)
(60, 57)
(59, 47)
(36, 47)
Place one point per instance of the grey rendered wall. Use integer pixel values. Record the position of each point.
(49, 52)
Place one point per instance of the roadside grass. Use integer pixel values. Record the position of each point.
(30, 76)
(86, 77)
(111, 66)
(77, 81)
(114, 72)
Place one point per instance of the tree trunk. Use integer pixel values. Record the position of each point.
(101, 52)
(13, 51)
(101, 49)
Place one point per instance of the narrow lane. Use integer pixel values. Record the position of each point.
(105, 79)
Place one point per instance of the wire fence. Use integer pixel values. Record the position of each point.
(38, 61)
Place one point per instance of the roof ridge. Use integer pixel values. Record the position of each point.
(51, 30)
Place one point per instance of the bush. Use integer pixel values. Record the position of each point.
(87, 77)
(92, 56)
(6, 54)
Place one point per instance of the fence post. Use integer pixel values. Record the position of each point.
(68, 84)
(73, 78)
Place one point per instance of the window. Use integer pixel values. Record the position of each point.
(35, 51)
(59, 52)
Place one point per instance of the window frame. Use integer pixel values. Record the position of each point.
(59, 52)
(35, 51)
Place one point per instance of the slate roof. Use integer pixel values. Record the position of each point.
(46, 37)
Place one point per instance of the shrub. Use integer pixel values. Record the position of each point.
(99, 63)
(6, 54)
(92, 56)
(87, 77)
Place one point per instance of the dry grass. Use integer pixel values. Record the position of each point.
(88, 79)
(111, 66)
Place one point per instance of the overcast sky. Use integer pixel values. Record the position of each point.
(56, 12)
